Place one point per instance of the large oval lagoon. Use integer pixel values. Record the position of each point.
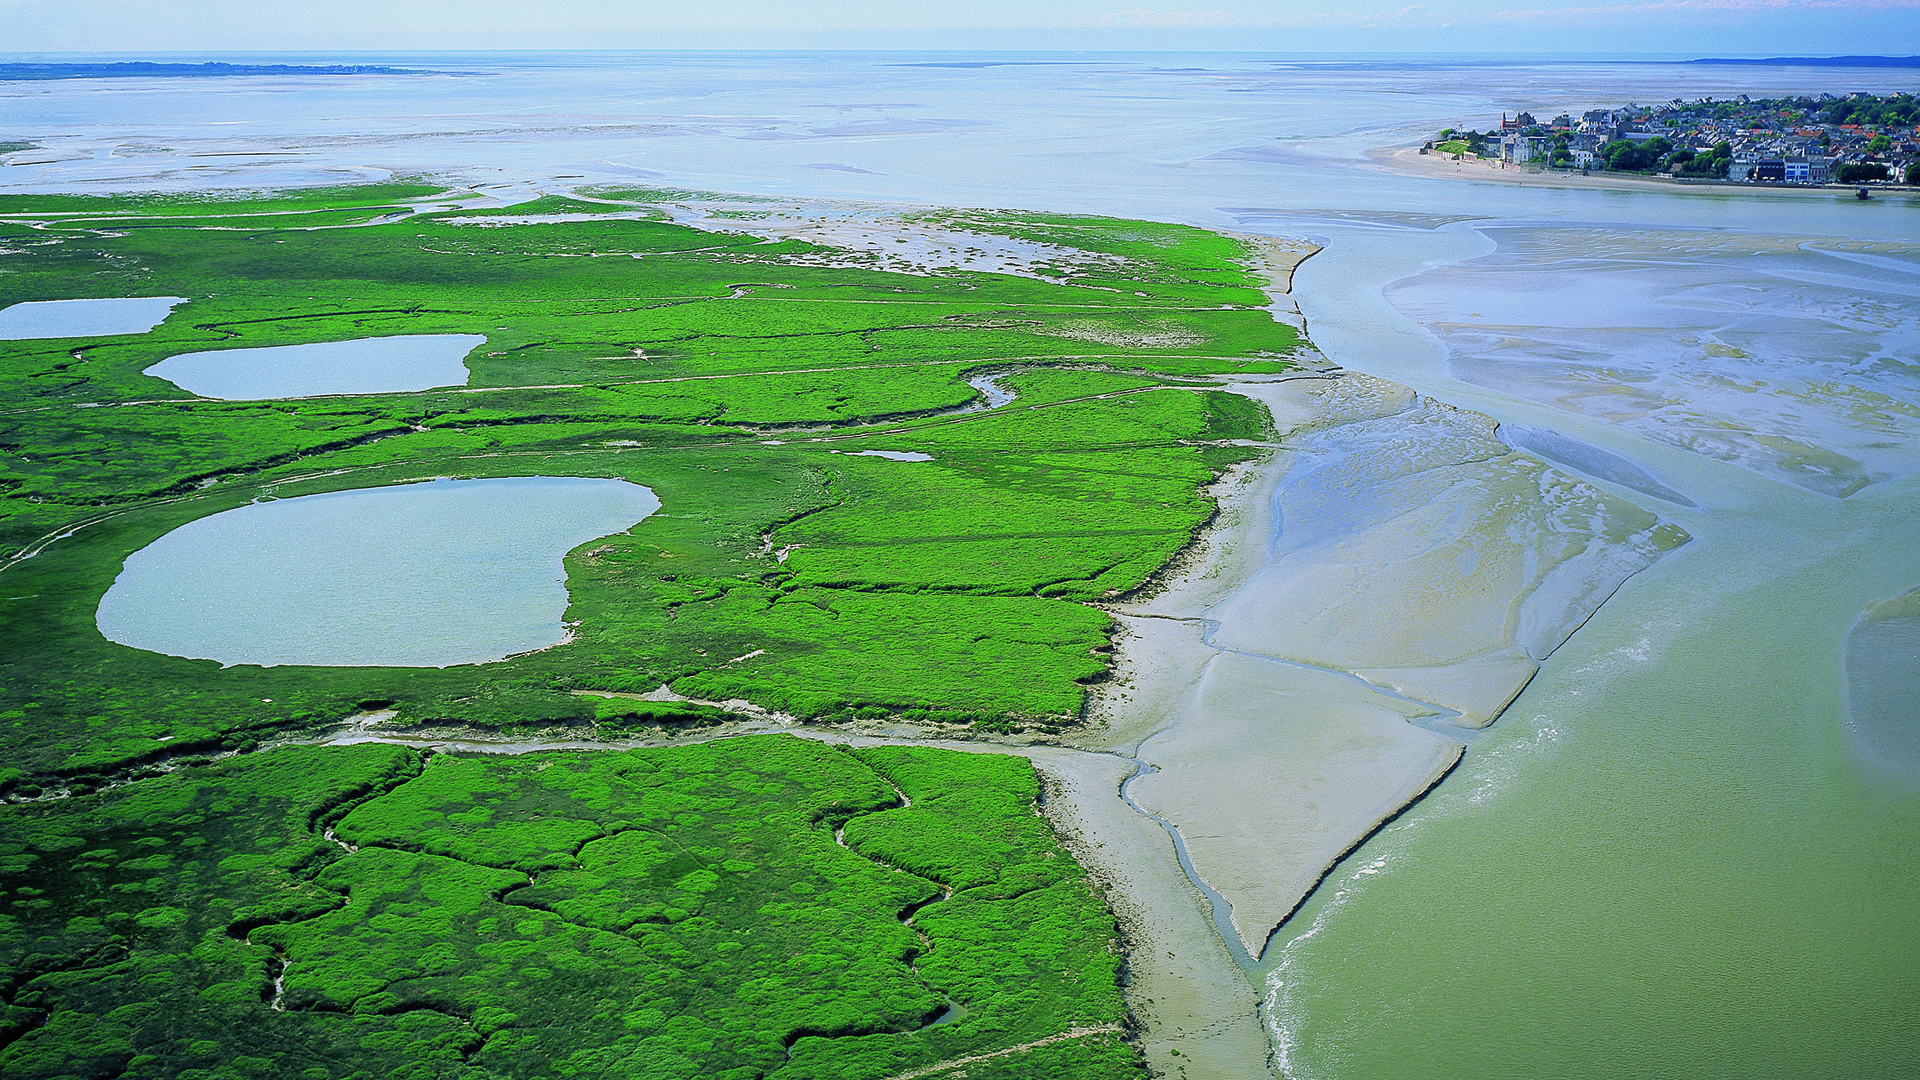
(384, 365)
(413, 575)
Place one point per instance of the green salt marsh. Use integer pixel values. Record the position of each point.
(844, 536)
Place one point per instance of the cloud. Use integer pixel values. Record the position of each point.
(1143, 17)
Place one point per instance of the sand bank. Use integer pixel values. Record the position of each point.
(1386, 582)
(1334, 757)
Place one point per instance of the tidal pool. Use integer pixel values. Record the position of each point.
(386, 365)
(85, 318)
(413, 575)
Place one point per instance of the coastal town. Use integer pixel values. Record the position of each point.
(1859, 140)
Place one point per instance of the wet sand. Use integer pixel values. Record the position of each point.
(1274, 771)
(1197, 1017)
(1386, 582)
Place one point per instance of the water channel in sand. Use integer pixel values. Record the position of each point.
(1670, 855)
(414, 575)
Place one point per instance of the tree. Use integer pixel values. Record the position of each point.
(1879, 144)
(1913, 173)
(1709, 165)
(1635, 156)
(1860, 172)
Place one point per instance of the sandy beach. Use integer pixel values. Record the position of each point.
(1410, 159)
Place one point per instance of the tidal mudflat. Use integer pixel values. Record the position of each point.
(416, 575)
(384, 365)
(1785, 354)
(1382, 588)
(84, 318)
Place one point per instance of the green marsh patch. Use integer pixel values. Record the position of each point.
(685, 912)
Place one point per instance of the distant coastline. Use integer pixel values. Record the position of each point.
(212, 69)
(1411, 159)
(1820, 61)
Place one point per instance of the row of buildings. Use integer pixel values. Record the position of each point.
(1788, 141)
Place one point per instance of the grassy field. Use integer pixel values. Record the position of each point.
(682, 912)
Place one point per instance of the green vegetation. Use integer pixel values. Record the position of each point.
(662, 912)
(948, 590)
(1893, 110)
(1861, 172)
(1636, 155)
(1711, 165)
(300, 200)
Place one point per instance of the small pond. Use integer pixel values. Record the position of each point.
(84, 318)
(412, 575)
(384, 365)
(890, 455)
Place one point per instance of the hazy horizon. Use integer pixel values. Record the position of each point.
(1693, 28)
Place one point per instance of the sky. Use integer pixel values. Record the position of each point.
(1590, 27)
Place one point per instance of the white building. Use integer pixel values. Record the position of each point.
(1520, 149)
